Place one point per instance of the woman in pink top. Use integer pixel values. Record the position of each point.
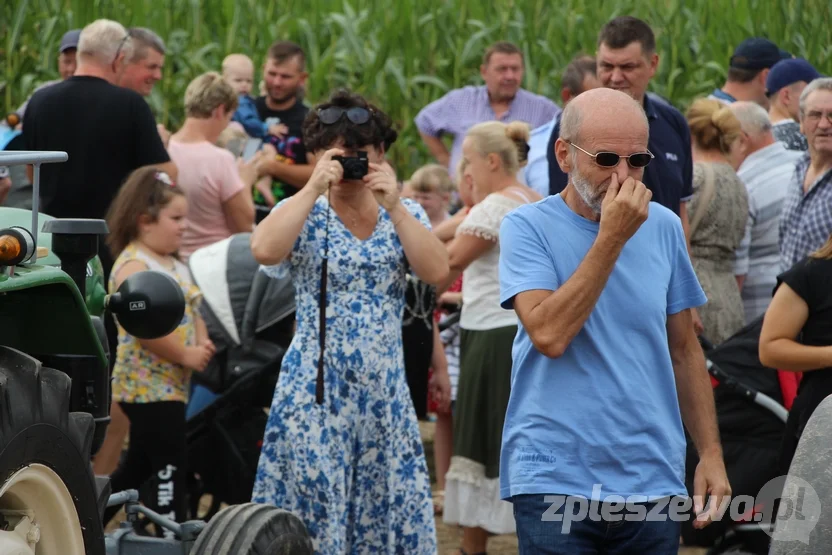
(218, 188)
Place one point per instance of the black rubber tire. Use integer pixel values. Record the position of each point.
(37, 427)
(254, 529)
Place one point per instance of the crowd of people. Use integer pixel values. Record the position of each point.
(584, 245)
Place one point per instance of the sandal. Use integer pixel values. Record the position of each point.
(439, 503)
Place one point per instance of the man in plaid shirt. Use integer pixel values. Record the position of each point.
(501, 98)
(806, 222)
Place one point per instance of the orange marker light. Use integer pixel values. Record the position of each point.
(9, 248)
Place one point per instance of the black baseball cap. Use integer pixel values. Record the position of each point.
(70, 40)
(757, 53)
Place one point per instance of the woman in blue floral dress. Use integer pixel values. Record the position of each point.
(342, 448)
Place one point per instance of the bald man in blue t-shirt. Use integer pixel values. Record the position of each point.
(607, 365)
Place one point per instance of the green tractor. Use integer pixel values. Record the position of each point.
(55, 398)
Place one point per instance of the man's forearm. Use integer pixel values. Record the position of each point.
(438, 149)
(565, 311)
(696, 397)
(295, 175)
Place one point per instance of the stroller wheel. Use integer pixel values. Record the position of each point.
(254, 528)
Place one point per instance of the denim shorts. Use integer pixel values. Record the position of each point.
(614, 529)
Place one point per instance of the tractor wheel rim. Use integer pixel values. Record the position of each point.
(38, 490)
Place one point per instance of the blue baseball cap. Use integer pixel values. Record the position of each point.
(787, 72)
(70, 40)
(757, 53)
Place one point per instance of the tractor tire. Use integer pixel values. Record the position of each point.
(45, 456)
(254, 529)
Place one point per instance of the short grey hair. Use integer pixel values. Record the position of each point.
(820, 84)
(753, 117)
(101, 40)
(570, 123)
(143, 40)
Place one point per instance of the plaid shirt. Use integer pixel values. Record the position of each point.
(806, 222)
(460, 109)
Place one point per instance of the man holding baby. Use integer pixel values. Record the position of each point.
(279, 119)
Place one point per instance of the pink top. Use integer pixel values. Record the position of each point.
(208, 174)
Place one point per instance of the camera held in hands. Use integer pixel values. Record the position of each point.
(355, 167)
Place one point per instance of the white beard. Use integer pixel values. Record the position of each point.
(584, 189)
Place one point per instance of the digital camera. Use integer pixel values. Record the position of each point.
(355, 167)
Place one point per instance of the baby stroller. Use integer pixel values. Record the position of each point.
(751, 406)
(250, 319)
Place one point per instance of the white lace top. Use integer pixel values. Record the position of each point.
(480, 281)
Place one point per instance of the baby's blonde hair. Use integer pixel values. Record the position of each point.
(432, 178)
(235, 59)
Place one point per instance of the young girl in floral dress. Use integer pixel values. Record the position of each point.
(151, 378)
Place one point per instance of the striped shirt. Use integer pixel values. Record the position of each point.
(806, 222)
(460, 109)
(766, 174)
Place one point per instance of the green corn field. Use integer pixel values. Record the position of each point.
(405, 53)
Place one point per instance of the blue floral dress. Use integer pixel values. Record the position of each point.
(353, 469)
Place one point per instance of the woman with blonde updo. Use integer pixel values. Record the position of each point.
(718, 214)
(493, 152)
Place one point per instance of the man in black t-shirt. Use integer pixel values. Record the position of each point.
(284, 75)
(106, 130)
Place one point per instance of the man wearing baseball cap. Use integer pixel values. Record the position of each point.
(747, 71)
(784, 83)
(66, 64)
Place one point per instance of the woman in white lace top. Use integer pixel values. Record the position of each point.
(494, 153)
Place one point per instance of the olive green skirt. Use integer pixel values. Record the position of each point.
(482, 395)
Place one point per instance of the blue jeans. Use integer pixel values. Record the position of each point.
(597, 528)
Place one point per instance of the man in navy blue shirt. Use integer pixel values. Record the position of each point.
(627, 60)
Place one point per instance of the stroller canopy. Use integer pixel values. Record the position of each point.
(243, 300)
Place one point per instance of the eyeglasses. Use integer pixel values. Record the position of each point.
(611, 159)
(121, 44)
(815, 116)
(356, 114)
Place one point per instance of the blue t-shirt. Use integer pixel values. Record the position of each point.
(605, 412)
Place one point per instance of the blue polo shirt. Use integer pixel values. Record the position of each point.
(670, 175)
(606, 412)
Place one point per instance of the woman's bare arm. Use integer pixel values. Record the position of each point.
(785, 317)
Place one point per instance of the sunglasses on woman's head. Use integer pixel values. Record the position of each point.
(356, 115)
(611, 159)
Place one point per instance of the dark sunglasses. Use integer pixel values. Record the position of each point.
(330, 115)
(611, 159)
